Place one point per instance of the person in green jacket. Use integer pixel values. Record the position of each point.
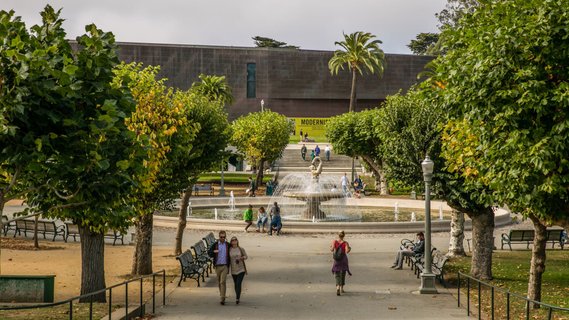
(248, 217)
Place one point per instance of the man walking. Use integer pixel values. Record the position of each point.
(317, 151)
(303, 152)
(220, 253)
(327, 152)
(344, 183)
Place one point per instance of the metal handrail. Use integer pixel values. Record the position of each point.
(110, 289)
(509, 294)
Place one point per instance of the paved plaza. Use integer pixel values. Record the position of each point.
(289, 278)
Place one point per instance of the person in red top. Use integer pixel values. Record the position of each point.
(340, 266)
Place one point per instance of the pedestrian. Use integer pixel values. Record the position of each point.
(261, 219)
(303, 152)
(312, 155)
(416, 250)
(219, 251)
(251, 190)
(317, 151)
(327, 151)
(340, 250)
(344, 183)
(248, 217)
(276, 223)
(306, 136)
(301, 135)
(237, 257)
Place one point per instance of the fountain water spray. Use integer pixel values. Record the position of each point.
(231, 201)
(441, 212)
(189, 209)
(215, 213)
(396, 212)
(413, 217)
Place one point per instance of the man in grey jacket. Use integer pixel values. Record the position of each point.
(417, 249)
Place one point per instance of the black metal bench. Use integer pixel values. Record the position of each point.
(555, 236)
(209, 240)
(7, 225)
(114, 235)
(190, 268)
(203, 187)
(201, 255)
(44, 227)
(71, 230)
(438, 263)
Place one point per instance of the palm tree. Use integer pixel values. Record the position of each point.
(215, 88)
(359, 51)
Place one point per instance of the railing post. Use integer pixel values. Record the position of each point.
(71, 310)
(141, 313)
(126, 298)
(508, 305)
(479, 301)
(163, 287)
(110, 302)
(458, 294)
(550, 313)
(527, 309)
(91, 307)
(492, 303)
(468, 296)
(153, 293)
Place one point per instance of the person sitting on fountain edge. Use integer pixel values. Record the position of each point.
(276, 224)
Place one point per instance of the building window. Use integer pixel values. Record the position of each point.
(251, 80)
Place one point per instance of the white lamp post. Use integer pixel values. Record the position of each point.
(262, 105)
(427, 277)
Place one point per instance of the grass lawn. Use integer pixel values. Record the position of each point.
(511, 272)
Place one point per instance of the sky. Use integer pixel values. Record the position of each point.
(310, 24)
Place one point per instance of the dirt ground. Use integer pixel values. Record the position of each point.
(17, 256)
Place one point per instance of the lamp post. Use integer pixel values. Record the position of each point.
(262, 105)
(222, 184)
(427, 277)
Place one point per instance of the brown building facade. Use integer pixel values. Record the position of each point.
(296, 83)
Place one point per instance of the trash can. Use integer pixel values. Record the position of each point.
(413, 195)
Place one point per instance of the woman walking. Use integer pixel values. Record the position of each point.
(248, 217)
(340, 250)
(237, 256)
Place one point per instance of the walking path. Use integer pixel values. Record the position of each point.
(289, 278)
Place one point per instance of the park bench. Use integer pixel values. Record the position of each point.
(209, 240)
(190, 268)
(7, 225)
(555, 236)
(438, 263)
(44, 227)
(115, 235)
(72, 230)
(203, 187)
(201, 255)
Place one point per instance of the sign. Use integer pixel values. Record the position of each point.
(315, 127)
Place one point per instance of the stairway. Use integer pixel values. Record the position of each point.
(291, 161)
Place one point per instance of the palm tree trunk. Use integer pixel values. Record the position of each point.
(353, 93)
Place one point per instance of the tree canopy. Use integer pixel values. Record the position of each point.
(215, 88)
(264, 42)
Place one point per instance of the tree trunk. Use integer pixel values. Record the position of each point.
(182, 221)
(378, 172)
(260, 173)
(353, 92)
(92, 264)
(142, 261)
(36, 241)
(456, 245)
(537, 260)
(482, 244)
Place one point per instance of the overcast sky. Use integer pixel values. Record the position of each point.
(310, 24)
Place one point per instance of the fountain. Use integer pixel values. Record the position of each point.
(396, 212)
(441, 212)
(413, 217)
(311, 197)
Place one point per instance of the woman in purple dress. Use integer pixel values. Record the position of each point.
(340, 250)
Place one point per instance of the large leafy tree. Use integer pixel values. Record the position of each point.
(352, 134)
(59, 106)
(507, 85)
(424, 43)
(261, 137)
(360, 51)
(161, 122)
(411, 126)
